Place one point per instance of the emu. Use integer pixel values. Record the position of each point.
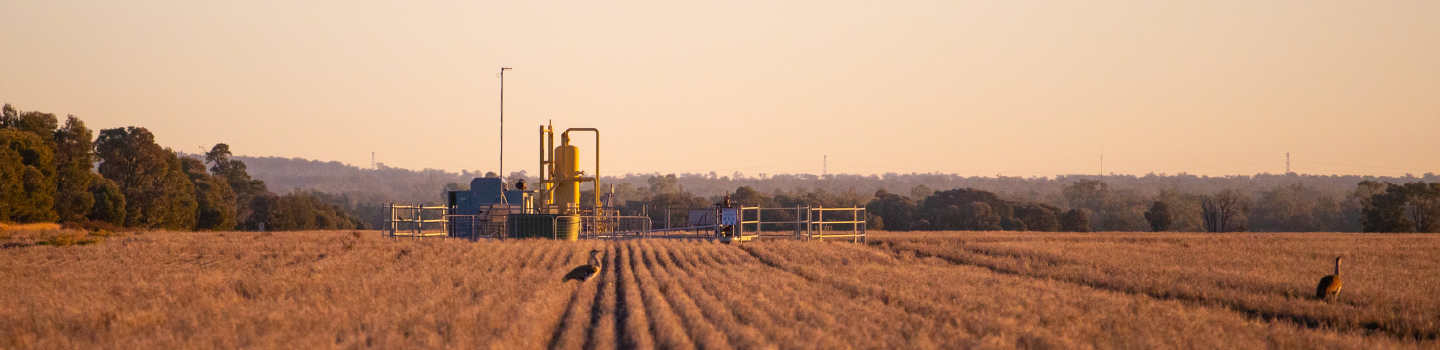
(1329, 287)
(585, 272)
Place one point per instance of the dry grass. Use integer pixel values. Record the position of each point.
(24, 235)
(1391, 284)
(358, 290)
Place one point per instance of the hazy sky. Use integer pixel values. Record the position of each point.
(976, 88)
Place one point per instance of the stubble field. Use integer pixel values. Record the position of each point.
(343, 289)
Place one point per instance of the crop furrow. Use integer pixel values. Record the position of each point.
(938, 318)
(542, 304)
(1244, 309)
(632, 327)
(814, 315)
(748, 308)
(744, 292)
(603, 331)
(718, 313)
(666, 326)
(705, 334)
(570, 334)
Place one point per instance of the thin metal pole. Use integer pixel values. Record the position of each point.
(502, 125)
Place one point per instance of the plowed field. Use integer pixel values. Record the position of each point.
(929, 290)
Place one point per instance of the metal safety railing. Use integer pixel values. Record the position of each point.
(615, 227)
(726, 223)
(416, 221)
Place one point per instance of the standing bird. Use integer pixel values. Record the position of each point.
(1329, 287)
(585, 272)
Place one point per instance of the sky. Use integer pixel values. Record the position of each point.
(976, 88)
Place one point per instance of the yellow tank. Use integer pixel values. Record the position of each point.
(567, 227)
(567, 176)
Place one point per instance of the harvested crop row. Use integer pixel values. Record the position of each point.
(738, 334)
(834, 317)
(1001, 309)
(1269, 276)
(667, 327)
(750, 307)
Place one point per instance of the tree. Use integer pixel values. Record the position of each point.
(1383, 207)
(667, 184)
(1075, 220)
(1422, 204)
(1225, 211)
(920, 192)
(301, 211)
(157, 192)
(27, 177)
(9, 117)
(952, 210)
(1387, 207)
(74, 157)
(1159, 217)
(1184, 210)
(109, 202)
(245, 188)
(895, 211)
(261, 209)
(38, 123)
(1111, 210)
(1088, 194)
(747, 196)
(1291, 208)
(1038, 217)
(214, 200)
(980, 216)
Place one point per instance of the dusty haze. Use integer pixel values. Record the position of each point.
(1013, 88)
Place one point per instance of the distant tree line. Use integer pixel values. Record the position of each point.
(1088, 205)
(121, 178)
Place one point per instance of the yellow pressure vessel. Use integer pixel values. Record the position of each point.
(567, 174)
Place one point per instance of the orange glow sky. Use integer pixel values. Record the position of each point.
(977, 88)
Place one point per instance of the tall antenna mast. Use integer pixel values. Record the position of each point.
(1287, 162)
(372, 160)
(824, 165)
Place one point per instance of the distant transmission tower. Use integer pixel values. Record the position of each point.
(1287, 162)
(824, 165)
(372, 160)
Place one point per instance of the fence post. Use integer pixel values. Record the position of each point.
(797, 222)
(854, 224)
(865, 225)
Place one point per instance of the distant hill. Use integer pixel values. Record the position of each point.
(364, 192)
(386, 184)
(371, 186)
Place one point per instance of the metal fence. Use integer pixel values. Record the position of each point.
(417, 221)
(742, 223)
